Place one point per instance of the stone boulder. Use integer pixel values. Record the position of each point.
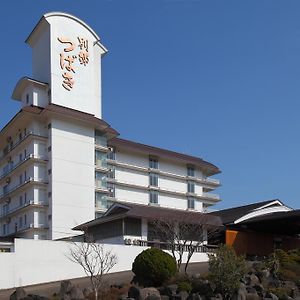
(76, 293)
(65, 288)
(134, 293)
(18, 294)
(145, 292)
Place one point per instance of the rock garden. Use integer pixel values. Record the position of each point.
(230, 277)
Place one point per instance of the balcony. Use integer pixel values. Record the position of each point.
(9, 148)
(102, 203)
(211, 196)
(31, 203)
(26, 228)
(101, 164)
(7, 191)
(11, 167)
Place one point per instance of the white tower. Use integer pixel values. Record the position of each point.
(54, 133)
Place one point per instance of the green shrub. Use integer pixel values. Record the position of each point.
(184, 286)
(287, 274)
(153, 267)
(281, 293)
(226, 271)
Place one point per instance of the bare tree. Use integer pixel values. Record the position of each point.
(95, 261)
(185, 234)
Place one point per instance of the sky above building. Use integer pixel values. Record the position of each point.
(214, 79)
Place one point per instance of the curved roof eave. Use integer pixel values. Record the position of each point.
(21, 85)
(62, 14)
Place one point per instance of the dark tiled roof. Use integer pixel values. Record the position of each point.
(229, 215)
(275, 216)
(168, 154)
(121, 210)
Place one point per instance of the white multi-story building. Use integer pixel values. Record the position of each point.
(61, 164)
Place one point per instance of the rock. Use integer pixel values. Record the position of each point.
(76, 293)
(18, 294)
(241, 293)
(259, 288)
(183, 295)
(194, 296)
(134, 293)
(34, 297)
(252, 296)
(173, 288)
(87, 291)
(253, 280)
(265, 273)
(251, 290)
(65, 287)
(145, 292)
(272, 296)
(153, 297)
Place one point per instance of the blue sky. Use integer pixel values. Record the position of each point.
(215, 79)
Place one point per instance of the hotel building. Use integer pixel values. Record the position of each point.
(61, 165)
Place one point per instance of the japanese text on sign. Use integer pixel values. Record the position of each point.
(69, 56)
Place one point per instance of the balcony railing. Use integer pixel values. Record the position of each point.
(168, 246)
(12, 167)
(8, 190)
(9, 148)
(18, 230)
(20, 207)
(211, 196)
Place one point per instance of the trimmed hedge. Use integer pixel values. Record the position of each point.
(153, 267)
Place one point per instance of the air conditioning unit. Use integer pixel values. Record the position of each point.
(127, 241)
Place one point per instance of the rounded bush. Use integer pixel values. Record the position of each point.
(153, 267)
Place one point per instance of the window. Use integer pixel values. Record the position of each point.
(25, 175)
(191, 171)
(20, 222)
(5, 209)
(20, 157)
(190, 203)
(25, 153)
(153, 197)
(111, 154)
(20, 179)
(111, 189)
(111, 173)
(153, 179)
(20, 200)
(4, 229)
(27, 98)
(20, 136)
(191, 187)
(153, 163)
(25, 219)
(25, 198)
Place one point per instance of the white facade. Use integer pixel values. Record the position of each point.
(53, 263)
(60, 164)
(131, 178)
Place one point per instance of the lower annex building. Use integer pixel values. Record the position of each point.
(61, 164)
